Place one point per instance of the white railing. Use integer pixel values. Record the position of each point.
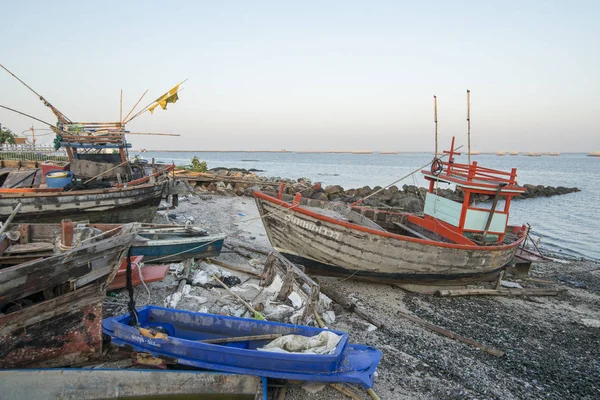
(29, 152)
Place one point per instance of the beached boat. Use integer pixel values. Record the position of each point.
(174, 244)
(51, 293)
(232, 344)
(134, 201)
(103, 384)
(453, 243)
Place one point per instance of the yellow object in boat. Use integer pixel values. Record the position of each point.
(57, 175)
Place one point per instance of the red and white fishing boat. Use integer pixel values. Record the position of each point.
(451, 244)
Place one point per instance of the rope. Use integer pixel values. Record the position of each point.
(401, 179)
(134, 320)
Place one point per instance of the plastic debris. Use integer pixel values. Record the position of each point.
(323, 343)
(295, 299)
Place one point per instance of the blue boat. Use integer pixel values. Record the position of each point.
(177, 335)
(174, 244)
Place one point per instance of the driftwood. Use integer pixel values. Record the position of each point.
(451, 335)
(233, 267)
(345, 391)
(500, 292)
(242, 338)
(349, 305)
(256, 314)
(269, 271)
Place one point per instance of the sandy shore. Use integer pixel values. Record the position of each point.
(551, 344)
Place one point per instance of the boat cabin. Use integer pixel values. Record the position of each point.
(478, 223)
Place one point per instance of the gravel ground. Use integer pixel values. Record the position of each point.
(551, 344)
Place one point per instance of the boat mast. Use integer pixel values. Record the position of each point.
(436, 124)
(469, 125)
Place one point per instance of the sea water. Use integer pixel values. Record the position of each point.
(566, 224)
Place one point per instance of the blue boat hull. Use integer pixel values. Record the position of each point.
(175, 250)
(349, 363)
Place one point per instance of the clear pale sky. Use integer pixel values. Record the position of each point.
(313, 75)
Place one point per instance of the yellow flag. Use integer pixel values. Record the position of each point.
(162, 101)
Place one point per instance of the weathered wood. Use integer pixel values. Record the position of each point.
(29, 248)
(500, 292)
(114, 205)
(335, 247)
(311, 304)
(31, 277)
(345, 391)
(24, 233)
(270, 336)
(233, 267)
(451, 335)
(269, 271)
(90, 170)
(287, 287)
(406, 228)
(54, 333)
(114, 384)
(248, 306)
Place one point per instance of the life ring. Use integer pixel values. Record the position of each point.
(437, 166)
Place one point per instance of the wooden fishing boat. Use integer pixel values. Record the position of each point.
(452, 243)
(102, 384)
(51, 300)
(232, 344)
(175, 244)
(134, 201)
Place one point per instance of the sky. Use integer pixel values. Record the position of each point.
(313, 75)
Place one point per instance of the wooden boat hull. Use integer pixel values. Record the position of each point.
(63, 325)
(332, 247)
(348, 363)
(179, 249)
(96, 384)
(114, 205)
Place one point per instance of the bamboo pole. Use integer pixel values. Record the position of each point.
(469, 124)
(121, 108)
(257, 315)
(154, 101)
(135, 105)
(435, 119)
(345, 391)
(10, 218)
(152, 134)
(269, 336)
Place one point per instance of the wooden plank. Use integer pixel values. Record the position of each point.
(270, 336)
(500, 292)
(406, 228)
(29, 248)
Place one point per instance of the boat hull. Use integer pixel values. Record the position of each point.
(63, 325)
(115, 205)
(349, 363)
(330, 247)
(122, 383)
(179, 249)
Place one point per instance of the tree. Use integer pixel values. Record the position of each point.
(6, 136)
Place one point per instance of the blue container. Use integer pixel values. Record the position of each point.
(56, 180)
